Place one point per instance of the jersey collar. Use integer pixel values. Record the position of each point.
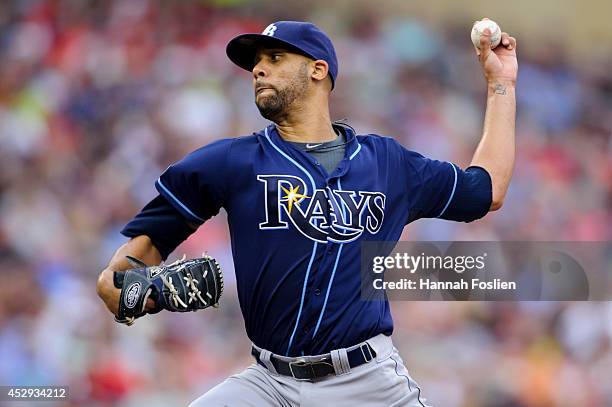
(352, 144)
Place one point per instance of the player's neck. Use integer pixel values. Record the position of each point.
(306, 127)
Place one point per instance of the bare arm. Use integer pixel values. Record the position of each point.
(495, 152)
(139, 247)
(496, 149)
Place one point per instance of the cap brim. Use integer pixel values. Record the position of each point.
(242, 49)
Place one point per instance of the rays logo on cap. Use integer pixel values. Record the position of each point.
(270, 30)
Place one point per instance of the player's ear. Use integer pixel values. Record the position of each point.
(320, 70)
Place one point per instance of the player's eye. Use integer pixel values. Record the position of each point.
(275, 57)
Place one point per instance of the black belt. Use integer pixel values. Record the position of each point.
(302, 370)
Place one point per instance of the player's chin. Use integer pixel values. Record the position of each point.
(267, 101)
(270, 109)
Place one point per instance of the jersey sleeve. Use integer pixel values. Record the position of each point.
(197, 185)
(162, 223)
(440, 189)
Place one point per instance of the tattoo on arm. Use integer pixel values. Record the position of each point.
(500, 89)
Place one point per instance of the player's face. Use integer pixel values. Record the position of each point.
(280, 78)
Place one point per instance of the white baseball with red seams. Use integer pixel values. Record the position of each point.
(478, 31)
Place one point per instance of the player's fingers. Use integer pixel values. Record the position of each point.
(485, 44)
(507, 41)
(150, 305)
(485, 38)
(512, 42)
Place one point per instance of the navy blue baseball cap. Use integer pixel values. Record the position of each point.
(297, 36)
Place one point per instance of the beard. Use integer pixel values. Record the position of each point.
(277, 104)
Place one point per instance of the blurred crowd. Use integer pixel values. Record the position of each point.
(98, 97)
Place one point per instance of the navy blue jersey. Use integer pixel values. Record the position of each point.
(296, 230)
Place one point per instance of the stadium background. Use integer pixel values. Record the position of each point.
(98, 97)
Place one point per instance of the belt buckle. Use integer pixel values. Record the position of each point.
(301, 363)
(366, 346)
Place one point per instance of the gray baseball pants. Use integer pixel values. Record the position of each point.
(382, 382)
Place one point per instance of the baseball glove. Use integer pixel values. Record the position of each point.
(185, 285)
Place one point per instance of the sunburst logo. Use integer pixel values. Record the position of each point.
(293, 196)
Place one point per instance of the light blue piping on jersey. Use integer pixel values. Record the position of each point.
(314, 247)
(166, 190)
(450, 198)
(355, 153)
(331, 279)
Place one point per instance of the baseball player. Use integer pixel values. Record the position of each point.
(301, 195)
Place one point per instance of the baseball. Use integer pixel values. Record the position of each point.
(478, 31)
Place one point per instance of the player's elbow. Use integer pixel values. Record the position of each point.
(101, 284)
(106, 290)
(496, 205)
(499, 188)
(497, 199)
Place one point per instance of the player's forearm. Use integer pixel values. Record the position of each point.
(139, 247)
(495, 152)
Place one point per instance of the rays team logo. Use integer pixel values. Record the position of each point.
(322, 215)
(270, 30)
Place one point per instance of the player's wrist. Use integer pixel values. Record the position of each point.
(495, 82)
(501, 87)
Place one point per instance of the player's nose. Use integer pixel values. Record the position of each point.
(259, 70)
